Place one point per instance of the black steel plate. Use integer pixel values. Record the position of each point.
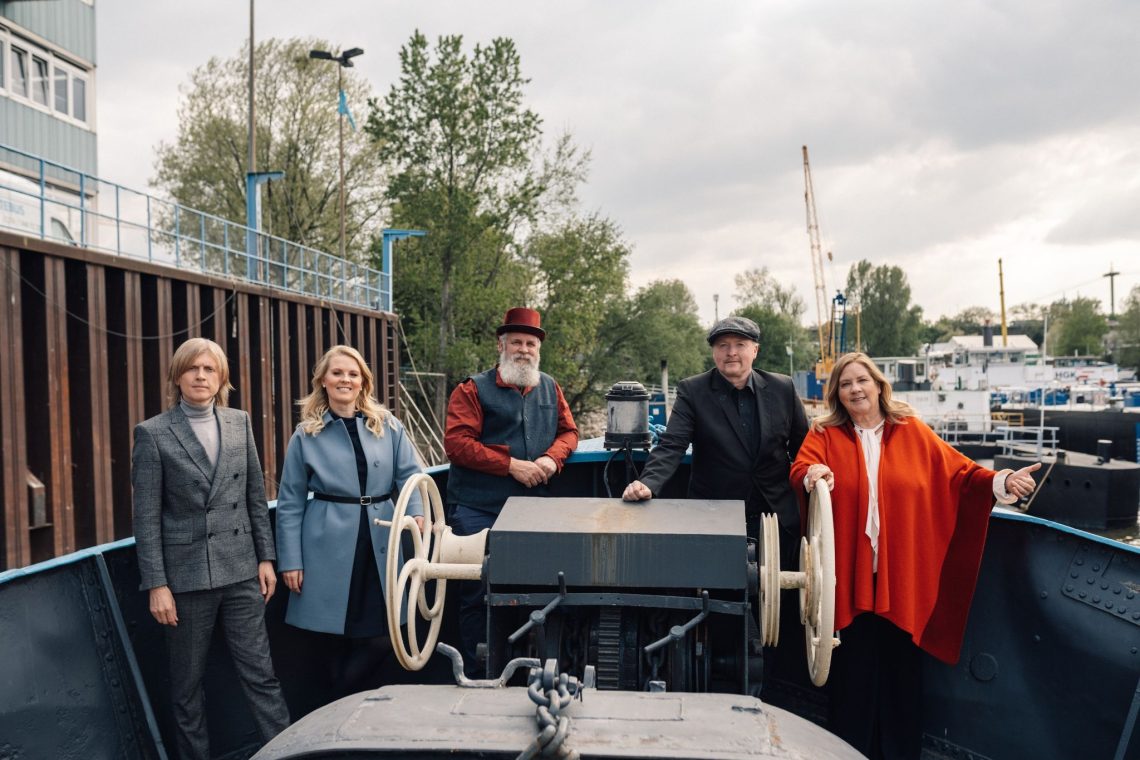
(662, 543)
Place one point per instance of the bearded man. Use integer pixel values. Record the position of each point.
(509, 430)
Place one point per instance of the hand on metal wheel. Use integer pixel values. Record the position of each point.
(818, 599)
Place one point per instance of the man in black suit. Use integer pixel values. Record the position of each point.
(745, 426)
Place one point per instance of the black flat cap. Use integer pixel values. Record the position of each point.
(737, 326)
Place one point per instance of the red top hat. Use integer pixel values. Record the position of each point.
(522, 320)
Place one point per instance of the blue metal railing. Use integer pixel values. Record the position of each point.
(108, 217)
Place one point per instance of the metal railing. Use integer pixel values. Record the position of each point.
(54, 202)
(423, 429)
(1034, 440)
(1006, 434)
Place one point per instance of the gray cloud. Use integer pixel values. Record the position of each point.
(943, 134)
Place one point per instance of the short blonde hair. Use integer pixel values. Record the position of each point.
(314, 406)
(184, 358)
(893, 411)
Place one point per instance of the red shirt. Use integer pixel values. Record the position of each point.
(462, 438)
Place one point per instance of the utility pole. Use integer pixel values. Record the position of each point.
(1001, 293)
(716, 309)
(340, 148)
(344, 60)
(1111, 275)
(252, 101)
(252, 184)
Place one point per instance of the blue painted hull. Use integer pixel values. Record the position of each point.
(1050, 665)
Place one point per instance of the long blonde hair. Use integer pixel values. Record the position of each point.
(314, 406)
(894, 411)
(183, 359)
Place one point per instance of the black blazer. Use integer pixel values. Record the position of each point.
(705, 416)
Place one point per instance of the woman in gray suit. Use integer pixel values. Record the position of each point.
(205, 548)
(350, 453)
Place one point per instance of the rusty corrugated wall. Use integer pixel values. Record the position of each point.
(85, 344)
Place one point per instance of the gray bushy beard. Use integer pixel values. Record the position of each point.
(514, 373)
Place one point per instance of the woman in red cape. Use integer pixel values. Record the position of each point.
(910, 516)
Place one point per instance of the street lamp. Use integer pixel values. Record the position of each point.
(791, 369)
(345, 61)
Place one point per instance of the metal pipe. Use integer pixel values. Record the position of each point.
(340, 119)
(252, 99)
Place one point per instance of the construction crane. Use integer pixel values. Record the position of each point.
(831, 341)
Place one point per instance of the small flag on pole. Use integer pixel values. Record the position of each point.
(342, 108)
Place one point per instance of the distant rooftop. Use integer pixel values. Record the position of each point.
(977, 343)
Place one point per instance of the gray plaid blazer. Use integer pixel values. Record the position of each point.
(198, 527)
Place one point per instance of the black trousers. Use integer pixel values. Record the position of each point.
(467, 521)
(241, 611)
(876, 690)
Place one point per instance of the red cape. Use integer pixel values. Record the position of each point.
(934, 508)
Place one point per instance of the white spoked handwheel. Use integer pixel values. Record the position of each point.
(769, 610)
(815, 581)
(817, 600)
(451, 557)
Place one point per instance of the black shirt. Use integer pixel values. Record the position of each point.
(747, 408)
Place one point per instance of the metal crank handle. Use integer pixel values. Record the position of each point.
(677, 632)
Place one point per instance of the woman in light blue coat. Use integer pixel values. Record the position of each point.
(343, 461)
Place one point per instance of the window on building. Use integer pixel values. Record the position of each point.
(62, 92)
(41, 85)
(79, 98)
(19, 71)
(43, 79)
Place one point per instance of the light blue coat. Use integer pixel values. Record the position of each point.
(319, 536)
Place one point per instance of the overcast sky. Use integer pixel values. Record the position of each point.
(942, 135)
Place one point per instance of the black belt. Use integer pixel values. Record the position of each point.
(363, 501)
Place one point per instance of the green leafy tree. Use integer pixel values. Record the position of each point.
(759, 287)
(1077, 327)
(969, 321)
(466, 162)
(205, 166)
(1128, 331)
(891, 326)
(580, 279)
(777, 310)
(658, 323)
(662, 323)
(777, 335)
(1028, 319)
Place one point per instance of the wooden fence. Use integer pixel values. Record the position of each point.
(85, 345)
